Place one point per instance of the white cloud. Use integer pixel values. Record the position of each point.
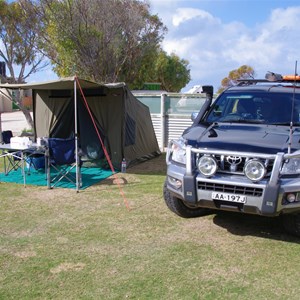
(284, 18)
(274, 46)
(214, 48)
(185, 14)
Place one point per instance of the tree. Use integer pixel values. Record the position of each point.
(243, 72)
(106, 41)
(18, 34)
(172, 72)
(123, 45)
(169, 70)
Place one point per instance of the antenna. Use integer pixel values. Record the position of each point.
(292, 112)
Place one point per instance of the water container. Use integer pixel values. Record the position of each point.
(123, 166)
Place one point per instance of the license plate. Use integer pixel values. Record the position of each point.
(229, 197)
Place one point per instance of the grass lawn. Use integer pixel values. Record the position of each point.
(59, 244)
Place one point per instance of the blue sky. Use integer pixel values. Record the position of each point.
(217, 36)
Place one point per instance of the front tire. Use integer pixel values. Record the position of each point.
(291, 223)
(178, 207)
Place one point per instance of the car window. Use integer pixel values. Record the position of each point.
(265, 108)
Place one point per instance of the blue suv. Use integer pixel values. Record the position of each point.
(241, 154)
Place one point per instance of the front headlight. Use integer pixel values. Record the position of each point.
(207, 165)
(178, 152)
(291, 167)
(255, 170)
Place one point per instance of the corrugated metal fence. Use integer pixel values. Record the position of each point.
(170, 113)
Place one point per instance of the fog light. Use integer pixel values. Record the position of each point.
(291, 197)
(255, 170)
(207, 165)
(175, 182)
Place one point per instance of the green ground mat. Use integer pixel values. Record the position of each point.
(89, 177)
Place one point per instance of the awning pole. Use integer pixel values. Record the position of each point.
(1, 109)
(0, 128)
(76, 137)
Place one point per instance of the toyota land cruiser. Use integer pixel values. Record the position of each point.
(241, 154)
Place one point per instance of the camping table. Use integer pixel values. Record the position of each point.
(20, 154)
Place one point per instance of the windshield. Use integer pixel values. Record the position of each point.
(256, 107)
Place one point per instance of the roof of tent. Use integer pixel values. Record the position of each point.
(60, 84)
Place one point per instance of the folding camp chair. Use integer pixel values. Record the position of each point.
(62, 160)
(12, 161)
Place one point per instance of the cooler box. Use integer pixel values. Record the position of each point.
(18, 142)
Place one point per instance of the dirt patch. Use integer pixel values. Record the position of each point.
(67, 267)
(49, 194)
(25, 254)
(62, 240)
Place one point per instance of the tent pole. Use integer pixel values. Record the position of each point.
(1, 103)
(1, 110)
(76, 135)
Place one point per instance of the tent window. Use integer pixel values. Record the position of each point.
(129, 131)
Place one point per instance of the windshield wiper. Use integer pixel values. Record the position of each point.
(253, 121)
(284, 123)
(241, 120)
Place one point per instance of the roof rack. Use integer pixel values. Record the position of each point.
(271, 78)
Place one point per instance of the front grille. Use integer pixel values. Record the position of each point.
(232, 189)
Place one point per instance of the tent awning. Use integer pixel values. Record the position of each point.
(60, 84)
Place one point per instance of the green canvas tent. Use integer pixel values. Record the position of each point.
(73, 106)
